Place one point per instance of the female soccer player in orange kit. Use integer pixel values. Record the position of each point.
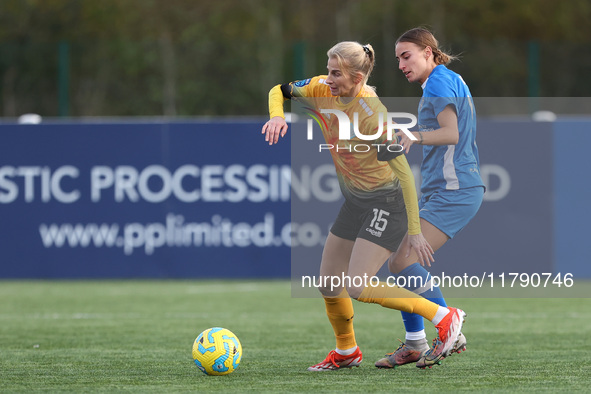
(380, 198)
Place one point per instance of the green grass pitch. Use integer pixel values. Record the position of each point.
(136, 336)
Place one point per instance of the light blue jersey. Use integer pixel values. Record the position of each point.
(448, 167)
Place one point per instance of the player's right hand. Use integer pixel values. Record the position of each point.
(275, 127)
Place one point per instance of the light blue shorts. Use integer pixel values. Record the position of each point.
(451, 210)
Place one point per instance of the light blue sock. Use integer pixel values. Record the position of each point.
(416, 276)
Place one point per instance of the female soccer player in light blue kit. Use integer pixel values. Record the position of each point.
(451, 187)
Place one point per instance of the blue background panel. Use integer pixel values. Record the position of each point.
(572, 192)
(247, 165)
(232, 212)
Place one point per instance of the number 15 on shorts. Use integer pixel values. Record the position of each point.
(379, 222)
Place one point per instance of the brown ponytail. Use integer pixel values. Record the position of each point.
(424, 38)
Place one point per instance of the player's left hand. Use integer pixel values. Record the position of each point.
(424, 251)
(405, 141)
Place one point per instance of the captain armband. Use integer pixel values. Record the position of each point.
(389, 152)
(286, 90)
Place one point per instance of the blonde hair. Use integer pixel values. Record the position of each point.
(424, 38)
(354, 58)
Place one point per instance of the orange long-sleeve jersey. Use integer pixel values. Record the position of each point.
(362, 177)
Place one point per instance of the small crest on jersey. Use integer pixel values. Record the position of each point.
(303, 82)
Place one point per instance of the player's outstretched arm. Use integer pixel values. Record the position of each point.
(276, 126)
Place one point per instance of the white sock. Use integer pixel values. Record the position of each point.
(441, 313)
(415, 336)
(346, 352)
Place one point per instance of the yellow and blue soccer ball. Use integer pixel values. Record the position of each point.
(217, 351)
